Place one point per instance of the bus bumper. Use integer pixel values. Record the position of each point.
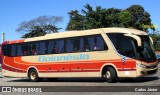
(147, 70)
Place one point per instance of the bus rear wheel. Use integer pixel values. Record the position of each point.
(110, 75)
(33, 75)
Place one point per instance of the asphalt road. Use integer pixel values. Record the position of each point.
(121, 84)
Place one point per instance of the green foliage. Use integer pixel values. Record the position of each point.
(76, 21)
(39, 31)
(135, 17)
(125, 19)
(39, 26)
(34, 32)
(140, 17)
(156, 40)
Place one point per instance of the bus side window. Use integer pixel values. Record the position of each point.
(26, 49)
(6, 50)
(55, 48)
(60, 46)
(76, 44)
(91, 43)
(13, 50)
(34, 48)
(50, 46)
(81, 44)
(100, 44)
(122, 44)
(42, 47)
(25, 53)
(94, 43)
(87, 48)
(69, 45)
(19, 50)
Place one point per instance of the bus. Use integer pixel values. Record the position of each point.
(109, 53)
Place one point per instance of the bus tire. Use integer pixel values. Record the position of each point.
(33, 75)
(110, 75)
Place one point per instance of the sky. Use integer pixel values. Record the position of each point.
(13, 12)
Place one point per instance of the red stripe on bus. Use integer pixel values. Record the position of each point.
(22, 66)
(69, 71)
(126, 69)
(13, 69)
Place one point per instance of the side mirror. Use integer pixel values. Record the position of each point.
(138, 39)
(151, 40)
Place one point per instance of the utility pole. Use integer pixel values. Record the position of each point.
(3, 35)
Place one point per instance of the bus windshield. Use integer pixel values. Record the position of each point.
(146, 51)
(128, 47)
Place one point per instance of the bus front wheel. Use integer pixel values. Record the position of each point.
(110, 75)
(33, 75)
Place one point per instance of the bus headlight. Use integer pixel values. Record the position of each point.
(141, 65)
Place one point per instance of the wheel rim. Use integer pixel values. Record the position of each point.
(33, 75)
(108, 75)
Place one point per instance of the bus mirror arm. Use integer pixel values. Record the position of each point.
(151, 40)
(138, 39)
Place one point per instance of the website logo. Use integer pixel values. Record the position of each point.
(6, 89)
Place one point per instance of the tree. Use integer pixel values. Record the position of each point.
(39, 26)
(140, 17)
(156, 40)
(135, 17)
(76, 21)
(90, 18)
(125, 19)
(101, 17)
(35, 31)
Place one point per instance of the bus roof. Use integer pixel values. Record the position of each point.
(124, 30)
(82, 33)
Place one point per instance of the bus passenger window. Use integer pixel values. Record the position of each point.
(69, 45)
(25, 53)
(33, 49)
(19, 50)
(13, 50)
(81, 44)
(76, 44)
(123, 44)
(60, 46)
(91, 43)
(55, 49)
(95, 47)
(50, 46)
(42, 47)
(87, 48)
(76, 49)
(6, 49)
(101, 45)
(26, 49)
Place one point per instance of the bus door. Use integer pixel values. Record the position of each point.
(127, 51)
